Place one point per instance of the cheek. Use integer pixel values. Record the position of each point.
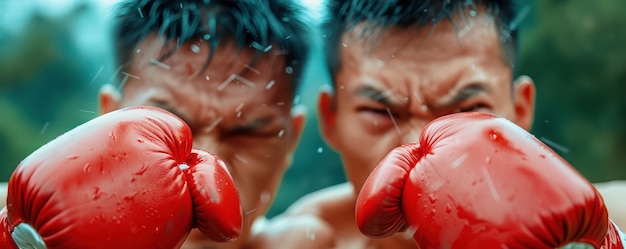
(249, 197)
(134, 96)
(374, 123)
(504, 107)
(365, 139)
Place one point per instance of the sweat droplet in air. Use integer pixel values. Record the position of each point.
(195, 48)
(238, 110)
(492, 187)
(45, 126)
(237, 78)
(270, 85)
(159, 64)
(252, 69)
(240, 158)
(459, 161)
(289, 70)
(213, 125)
(281, 133)
(320, 150)
(393, 121)
(554, 145)
(96, 76)
(239, 107)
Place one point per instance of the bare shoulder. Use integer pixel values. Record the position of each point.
(292, 231)
(614, 195)
(324, 201)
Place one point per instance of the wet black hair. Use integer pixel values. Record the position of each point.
(343, 15)
(260, 24)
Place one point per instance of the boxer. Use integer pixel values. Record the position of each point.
(230, 70)
(396, 66)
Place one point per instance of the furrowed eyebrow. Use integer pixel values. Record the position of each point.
(376, 95)
(465, 93)
(255, 124)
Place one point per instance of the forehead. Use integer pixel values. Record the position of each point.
(431, 59)
(226, 58)
(193, 63)
(233, 80)
(447, 38)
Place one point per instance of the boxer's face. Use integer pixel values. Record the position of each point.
(238, 111)
(388, 89)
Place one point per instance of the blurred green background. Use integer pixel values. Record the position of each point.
(54, 57)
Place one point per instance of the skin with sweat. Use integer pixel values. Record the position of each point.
(388, 87)
(384, 96)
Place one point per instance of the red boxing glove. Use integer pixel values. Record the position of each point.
(126, 179)
(478, 181)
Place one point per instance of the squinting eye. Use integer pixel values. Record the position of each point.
(473, 108)
(377, 111)
(267, 131)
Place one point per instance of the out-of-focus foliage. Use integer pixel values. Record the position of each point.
(50, 72)
(575, 52)
(44, 83)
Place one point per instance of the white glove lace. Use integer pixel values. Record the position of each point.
(26, 237)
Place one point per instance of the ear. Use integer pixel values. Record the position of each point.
(524, 101)
(327, 115)
(109, 99)
(298, 119)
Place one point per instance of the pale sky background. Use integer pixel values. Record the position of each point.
(13, 13)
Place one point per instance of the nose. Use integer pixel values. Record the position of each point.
(411, 136)
(412, 132)
(207, 142)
